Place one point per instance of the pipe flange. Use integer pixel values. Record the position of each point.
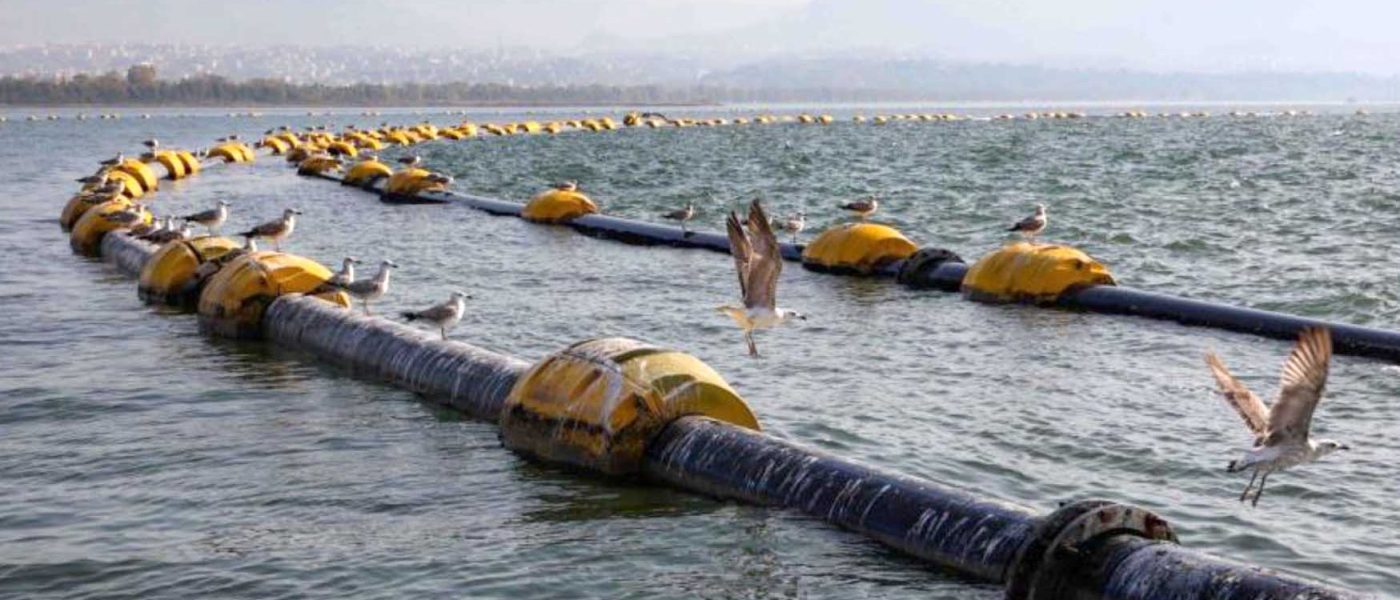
(1056, 544)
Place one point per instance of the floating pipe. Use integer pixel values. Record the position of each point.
(470, 379)
(127, 253)
(1346, 339)
(948, 275)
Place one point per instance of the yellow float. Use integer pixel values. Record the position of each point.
(1034, 273)
(557, 206)
(92, 226)
(857, 248)
(141, 172)
(366, 172)
(234, 299)
(169, 276)
(598, 403)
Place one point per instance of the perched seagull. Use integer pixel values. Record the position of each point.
(410, 162)
(758, 262)
(111, 189)
(445, 315)
(368, 290)
(369, 158)
(346, 275)
(439, 178)
(161, 237)
(1281, 432)
(93, 181)
(152, 143)
(165, 224)
(277, 230)
(565, 186)
(250, 244)
(682, 214)
(128, 216)
(115, 160)
(794, 224)
(211, 219)
(1031, 226)
(863, 207)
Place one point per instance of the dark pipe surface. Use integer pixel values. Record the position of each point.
(1133, 568)
(470, 379)
(975, 537)
(1347, 339)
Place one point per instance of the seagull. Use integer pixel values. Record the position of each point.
(565, 186)
(369, 158)
(445, 315)
(346, 275)
(1031, 226)
(863, 207)
(94, 181)
(250, 244)
(1281, 432)
(758, 262)
(128, 216)
(111, 189)
(794, 224)
(439, 178)
(165, 224)
(410, 162)
(211, 219)
(152, 143)
(682, 215)
(368, 290)
(277, 230)
(114, 161)
(184, 232)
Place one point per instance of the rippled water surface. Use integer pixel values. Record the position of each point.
(140, 458)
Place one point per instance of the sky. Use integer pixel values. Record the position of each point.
(1156, 35)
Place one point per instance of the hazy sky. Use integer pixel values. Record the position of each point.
(1188, 35)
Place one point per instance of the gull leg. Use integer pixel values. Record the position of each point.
(1249, 487)
(443, 330)
(1260, 491)
(753, 348)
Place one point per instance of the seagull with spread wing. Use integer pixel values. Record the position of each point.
(758, 261)
(1281, 431)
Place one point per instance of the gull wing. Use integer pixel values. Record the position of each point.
(742, 251)
(766, 262)
(1250, 407)
(1304, 377)
(439, 312)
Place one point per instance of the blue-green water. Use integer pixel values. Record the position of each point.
(139, 458)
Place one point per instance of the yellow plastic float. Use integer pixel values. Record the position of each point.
(366, 172)
(92, 226)
(857, 248)
(178, 164)
(169, 275)
(598, 403)
(234, 299)
(318, 164)
(234, 152)
(531, 127)
(275, 144)
(342, 148)
(141, 172)
(410, 182)
(1033, 273)
(557, 206)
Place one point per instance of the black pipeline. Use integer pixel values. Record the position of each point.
(946, 274)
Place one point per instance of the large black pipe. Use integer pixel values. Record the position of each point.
(1347, 339)
(947, 276)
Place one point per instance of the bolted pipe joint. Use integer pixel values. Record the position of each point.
(1061, 543)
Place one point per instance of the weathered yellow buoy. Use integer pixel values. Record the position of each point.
(598, 403)
(557, 206)
(366, 172)
(235, 152)
(92, 226)
(232, 302)
(169, 276)
(1036, 273)
(318, 164)
(857, 247)
(409, 182)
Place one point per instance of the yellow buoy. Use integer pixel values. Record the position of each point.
(318, 164)
(598, 403)
(341, 148)
(365, 172)
(233, 300)
(1037, 273)
(175, 167)
(409, 182)
(276, 144)
(141, 172)
(92, 226)
(857, 247)
(531, 127)
(557, 206)
(192, 164)
(234, 152)
(169, 275)
(79, 204)
(132, 189)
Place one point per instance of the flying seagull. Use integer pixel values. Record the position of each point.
(445, 315)
(1031, 226)
(368, 290)
(863, 207)
(1281, 431)
(346, 275)
(277, 230)
(682, 214)
(758, 262)
(211, 219)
